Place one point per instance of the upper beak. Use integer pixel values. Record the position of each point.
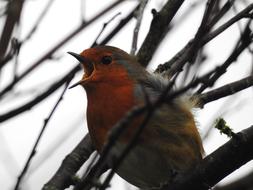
(80, 58)
(87, 64)
(75, 84)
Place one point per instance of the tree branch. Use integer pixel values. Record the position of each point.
(121, 24)
(63, 178)
(176, 63)
(158, 29)
(40, 97)
(103, 28)
(225, 90)
(223, 161)
(244, 183)
(139, 13)
(13, 15)
(34, 149)
(244, 41)
(38, 21)
(243, 14)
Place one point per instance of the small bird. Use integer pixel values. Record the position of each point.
(170, 143)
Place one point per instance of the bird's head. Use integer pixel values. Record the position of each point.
(107, 64)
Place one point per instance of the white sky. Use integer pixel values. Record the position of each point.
(68, 125)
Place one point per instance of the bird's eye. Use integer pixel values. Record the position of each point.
(106, 60)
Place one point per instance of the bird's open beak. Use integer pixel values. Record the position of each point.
(88, 67)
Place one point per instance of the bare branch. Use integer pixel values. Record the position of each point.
(243, 183)
(103, 28)
(13, 15)
(226, 7)
(180, 59)
(243, 14)
(121, 24)
(39, 20)
(243, 43)
(225, 90)
(223, 161)
(158, 30)
(137, 26)
(63, 178)
(34, 149)
(40, 97)
(15, 47)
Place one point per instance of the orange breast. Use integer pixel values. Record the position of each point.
(107, 104)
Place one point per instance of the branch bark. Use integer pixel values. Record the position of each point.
(63, 178)
(244, 183)
(40, 97)
(223, 161)
(176, 63)
(225, 90)
(34, 149)
(13, 14)
(158, 29)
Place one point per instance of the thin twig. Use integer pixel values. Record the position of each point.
(40, 97)
(32, 90)
(34, 149)
(39, 20)
(95, 43)
(225, 90)
(225, 8)
(176, 63)
(243, 14)
(139, 16)
(244, 41)
(121, 24)
(202, 30)
(55, 145)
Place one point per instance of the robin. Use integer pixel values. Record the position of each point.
(114, 83)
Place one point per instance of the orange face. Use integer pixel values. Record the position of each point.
(102, 65)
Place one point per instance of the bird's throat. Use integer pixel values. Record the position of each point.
(107, 104)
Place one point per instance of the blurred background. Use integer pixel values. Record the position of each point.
(50, 22)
